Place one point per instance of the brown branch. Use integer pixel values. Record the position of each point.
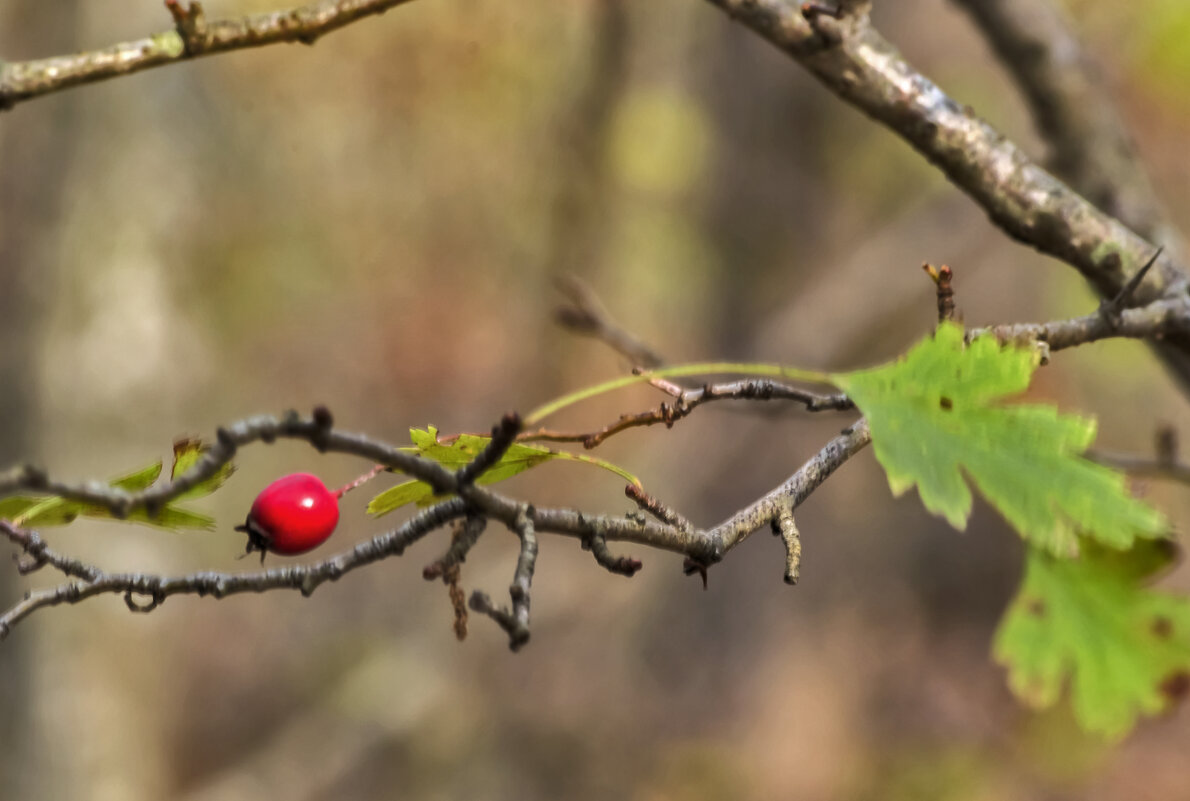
(688, 400)
(193, 36)
(1029, 204)
(586, 315)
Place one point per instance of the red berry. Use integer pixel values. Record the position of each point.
(292, 515)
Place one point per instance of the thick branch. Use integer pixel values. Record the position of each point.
(1028, 203)
(192, 37)
(1089, 145)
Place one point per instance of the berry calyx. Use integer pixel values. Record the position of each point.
(294, 514)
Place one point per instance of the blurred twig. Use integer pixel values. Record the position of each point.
(586, 315)
(193, 35)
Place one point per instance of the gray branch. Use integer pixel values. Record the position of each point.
(846, 53)
(193, 36)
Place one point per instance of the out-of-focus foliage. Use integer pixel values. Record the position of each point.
(1124, 649)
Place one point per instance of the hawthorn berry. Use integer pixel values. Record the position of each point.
(294, 514)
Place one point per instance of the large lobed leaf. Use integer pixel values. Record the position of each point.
(934, 415)
(460, 451)
(32, 511)
(1124, 648)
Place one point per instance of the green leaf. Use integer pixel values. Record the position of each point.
(187, 452)
(934, 416)
(1124, 648)
(460, 451)
(32, 512)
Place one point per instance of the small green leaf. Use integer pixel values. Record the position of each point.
(187, 452)
(934, 417)
(1124, 648)
(460, 451)
(54, 511)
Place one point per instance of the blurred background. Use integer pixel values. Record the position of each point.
(377, 223)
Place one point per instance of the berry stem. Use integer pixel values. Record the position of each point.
(359, 482)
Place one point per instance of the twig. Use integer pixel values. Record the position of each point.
(516, 621)
(504, 434)
(1111, 309)
(656, 508)
(620, 565)
(586, 315)
(193, 36)
(942, 278)
(1165, 465)
(689, 400)
(785, 527)
(1154, 321)
(448, 567)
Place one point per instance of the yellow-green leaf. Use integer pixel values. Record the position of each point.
(1091, 623)
(460, 451)
(937, 420)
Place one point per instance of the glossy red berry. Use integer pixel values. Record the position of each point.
(292, 515)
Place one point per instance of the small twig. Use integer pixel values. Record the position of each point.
(586, 315)
(1164, 465)
(620, 565)
(191, 24)
(656, 508)
(668, 414)
(1157, 320)
(785, 527)
(504, 434)
(192, 36)
(942, 278)
(1111, 309)
(463, 538)
(516, 621)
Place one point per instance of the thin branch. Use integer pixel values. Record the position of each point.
(1158, 319)
(504, 434)
(1143, 466)
(688, 400)
(785, 528)
(620, 565)
(193, 36)
(92, 581)
(1164, 465)
(516, 621)
(1029, 204)
(587, 315)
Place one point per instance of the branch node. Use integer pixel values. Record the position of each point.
(1112, 310)
(942, 278)
(156, 597)
(191, 24)
(620, 565)
(657, 509)
(785, 527)
(504, 435)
